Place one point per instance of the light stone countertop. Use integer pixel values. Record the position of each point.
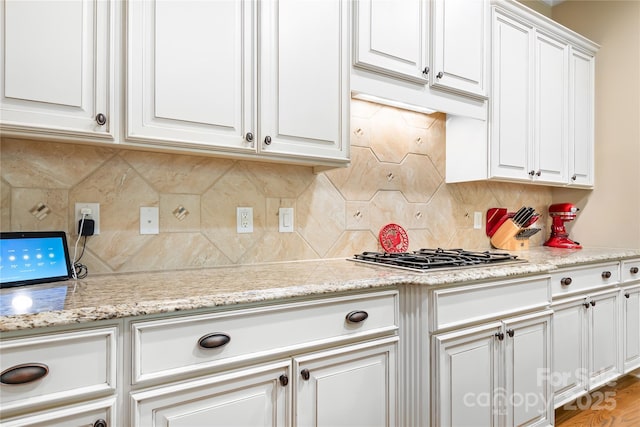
(126, 295)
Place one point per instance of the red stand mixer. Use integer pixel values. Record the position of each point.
(561, 213)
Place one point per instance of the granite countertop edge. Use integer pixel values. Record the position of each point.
(103, 297)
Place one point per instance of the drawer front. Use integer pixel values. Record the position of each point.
(630, 270)
(173, 346)
(584, 279)
(75, 365)
(468, 304)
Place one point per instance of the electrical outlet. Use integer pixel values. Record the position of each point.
(92, 211)
(244, 220)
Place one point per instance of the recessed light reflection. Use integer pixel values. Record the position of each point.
(21, 303)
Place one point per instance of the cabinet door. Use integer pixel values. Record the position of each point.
(82, 415)
(570, 341)
(604, 338)
(551, 139)
(581, 119)
(249, 397)
(191, 73)
(304, 79)
(391, 37)
(465, 377)
(460, 45)
(511, 127)
(56, 67)
(631, 328)
(527, 368)
(352, 386)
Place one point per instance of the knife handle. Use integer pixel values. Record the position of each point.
(504, 236)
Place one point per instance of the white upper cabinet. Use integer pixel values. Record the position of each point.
(392, 38)
(197, 77)
(581, 128)
(511, 98)
(540, 106)
(191, 73)
(460, 46)
(56, 69)
(304, 80)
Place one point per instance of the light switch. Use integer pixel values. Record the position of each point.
(285, 220)
(149, 220)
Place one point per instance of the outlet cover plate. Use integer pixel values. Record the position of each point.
(149, 220)
(244, 217)
(95, 216)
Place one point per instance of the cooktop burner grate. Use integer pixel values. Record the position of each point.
(430, 259)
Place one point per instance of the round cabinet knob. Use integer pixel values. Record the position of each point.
(305, 374)
(586, 304)
(574, 177)
(439, 75)
(267, 140)
(284, 380)
(633, 270)
(532, 172)
(249, 137)
(566, 281)
(539, 173)
(593, 303)
(499, 335)
(100, 423)
(101, 119)
(426, 71)
(627, 294)
(511, 333)
(606, 274)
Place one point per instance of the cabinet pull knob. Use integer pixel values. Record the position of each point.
(24, 374)
(305, 374)
(633, 270)
(214, 340)
(593, 303)
(586, 304)
(249, 137)
(606, 274)
(532, 172)
(426, 71)
(539, 172)
(627, 295)
(500, 335)
(357, 316)
(511, 333)
(101, 119)
(574, 177)
(284, 380)
(439, 75)
(267, 140)
(100, 423)
(566, 281)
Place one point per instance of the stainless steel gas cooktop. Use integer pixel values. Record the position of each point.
(436, 259)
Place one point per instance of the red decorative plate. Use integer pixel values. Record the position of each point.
(393, 238)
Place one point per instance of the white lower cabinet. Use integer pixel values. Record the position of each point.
(329, 361)
(630, 328)
(494, 374)
(586, 344)
(101, 413)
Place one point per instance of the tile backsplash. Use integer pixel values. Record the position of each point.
(396, 175)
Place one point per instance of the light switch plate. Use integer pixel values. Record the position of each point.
(477, 220)
(285, 220)
(149, 220)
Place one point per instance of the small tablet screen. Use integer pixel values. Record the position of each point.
(33, 257)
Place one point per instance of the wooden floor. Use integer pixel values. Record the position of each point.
(615, 405)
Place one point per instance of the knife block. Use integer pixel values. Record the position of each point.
(505, 238)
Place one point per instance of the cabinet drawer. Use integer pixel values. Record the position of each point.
(74, 364)
(473, 303)
(175, 346)
(581, 279)
(630, 270)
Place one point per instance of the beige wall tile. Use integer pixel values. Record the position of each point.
(39, 209)
(5, 206)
